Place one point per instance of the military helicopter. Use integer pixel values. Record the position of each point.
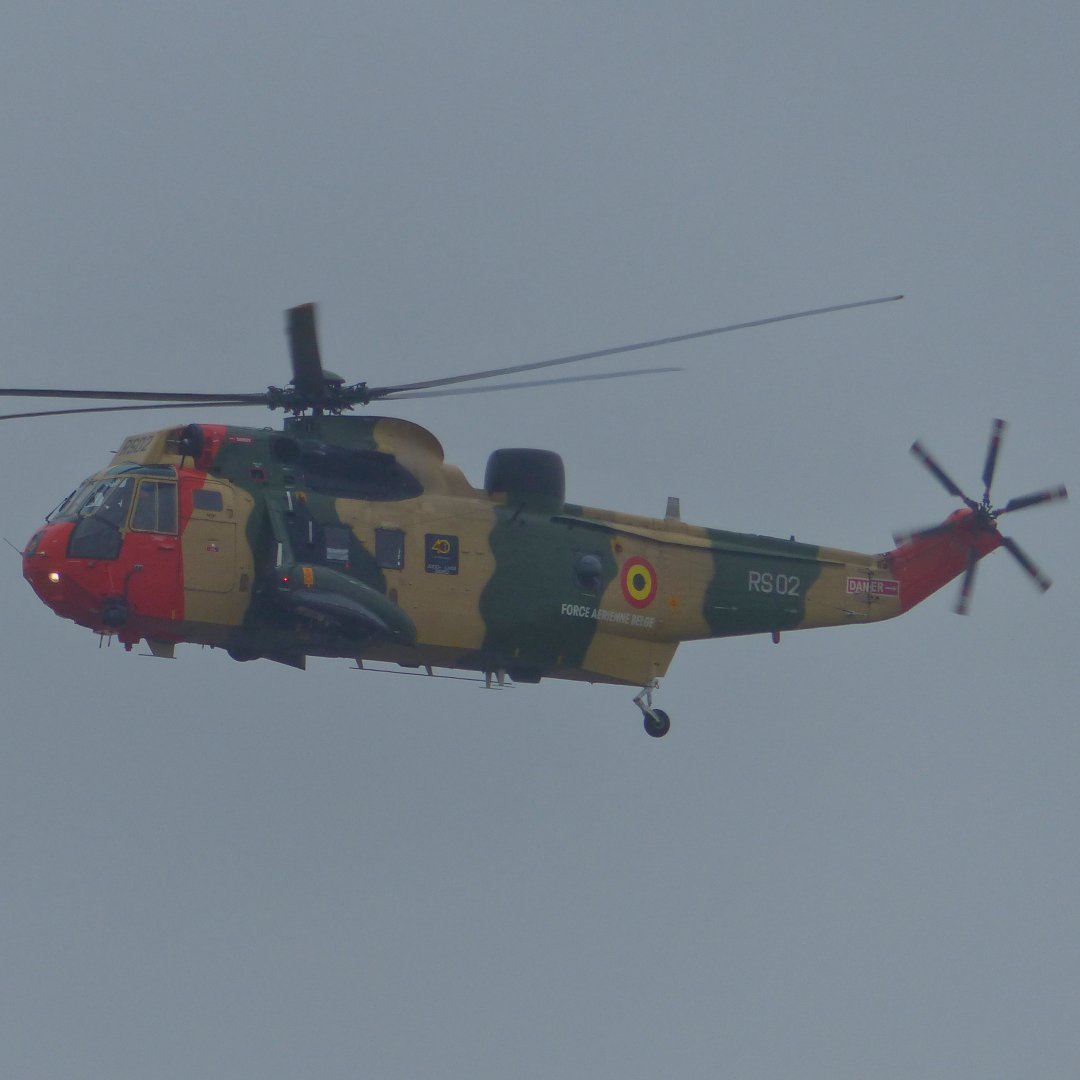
(350, 536)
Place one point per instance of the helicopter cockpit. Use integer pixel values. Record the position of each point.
(102, 506)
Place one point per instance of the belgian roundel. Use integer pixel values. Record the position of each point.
(638, 582)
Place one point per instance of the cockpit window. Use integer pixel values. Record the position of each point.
(101, 509)
(66, 508)
(155, 507)
(108, 500)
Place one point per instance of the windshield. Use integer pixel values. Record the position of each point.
(67, 506)
(101, 507)
(107, 500)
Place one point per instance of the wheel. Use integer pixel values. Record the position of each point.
(114, 612)
(658, 724)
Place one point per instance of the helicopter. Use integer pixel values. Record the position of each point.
(350, 536)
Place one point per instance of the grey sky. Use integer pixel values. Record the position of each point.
(855, 853)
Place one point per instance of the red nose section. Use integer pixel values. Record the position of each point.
(61, 583)
(135, 592)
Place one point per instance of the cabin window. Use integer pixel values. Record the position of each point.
(589, 573)
(390, 548)
(208, 499)
(155, 507)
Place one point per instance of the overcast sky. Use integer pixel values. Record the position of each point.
(855, 853)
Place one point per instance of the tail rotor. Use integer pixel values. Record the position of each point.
(983, 515)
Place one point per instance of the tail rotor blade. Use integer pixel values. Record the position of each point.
(922, 534)
(943, 477)
(996, 434)
(1036, 497)
(963, 602)
(1030, 568)
(971, 529)
(307, 367)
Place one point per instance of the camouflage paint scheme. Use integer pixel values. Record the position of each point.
(350, 536)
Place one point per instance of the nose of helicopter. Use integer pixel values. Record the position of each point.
(49, 571)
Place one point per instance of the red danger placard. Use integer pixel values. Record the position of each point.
(861, 586)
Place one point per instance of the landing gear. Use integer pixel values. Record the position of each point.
(657, 722)
(114, 612)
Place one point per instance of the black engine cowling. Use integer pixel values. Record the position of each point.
(533, 477)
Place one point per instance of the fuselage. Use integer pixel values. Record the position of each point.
(350, 536)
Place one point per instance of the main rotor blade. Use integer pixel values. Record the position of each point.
(308, 376)
(996, 434)
(532, 382)
(963, 601)
(943, 477)
(387, 391)
(134, 395)
(130, 408)
(1036, 574)
(1036, 497)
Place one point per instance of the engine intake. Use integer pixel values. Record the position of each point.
(534, 477)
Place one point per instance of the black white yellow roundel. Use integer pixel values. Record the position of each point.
(638, 582)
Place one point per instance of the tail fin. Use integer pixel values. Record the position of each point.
(930, 559)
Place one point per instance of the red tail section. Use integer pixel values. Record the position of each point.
(927, 562)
